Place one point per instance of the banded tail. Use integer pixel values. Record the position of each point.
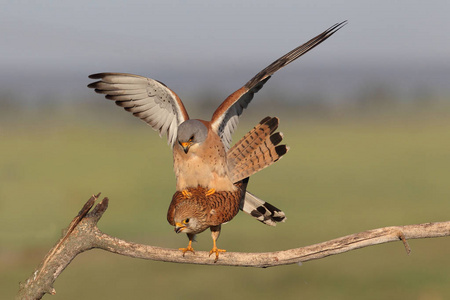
(258, 149)
(262, 210)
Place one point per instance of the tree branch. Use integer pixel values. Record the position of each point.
(83, 234)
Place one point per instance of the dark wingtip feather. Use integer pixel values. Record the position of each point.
(268, 214)
(96, 75)
(109, 97)
(289, 57)
(281, 150)
(271, 122)
(92, 85)
(265, 120)
(276, 138)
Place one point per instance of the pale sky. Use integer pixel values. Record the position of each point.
(45, 38)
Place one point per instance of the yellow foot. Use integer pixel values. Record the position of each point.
(186, 194)
(210, 192)
(188, 248)
(216, 251)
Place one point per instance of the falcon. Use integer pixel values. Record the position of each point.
(211, 177)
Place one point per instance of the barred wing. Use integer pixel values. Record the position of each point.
(147, 99)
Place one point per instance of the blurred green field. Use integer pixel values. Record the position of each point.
(343, 174)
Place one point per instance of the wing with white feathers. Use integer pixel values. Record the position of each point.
(148, 99)
(225, 119)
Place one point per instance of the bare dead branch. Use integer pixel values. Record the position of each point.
(83, 234)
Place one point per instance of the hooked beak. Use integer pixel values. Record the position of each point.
(179, 227)
(186, 146)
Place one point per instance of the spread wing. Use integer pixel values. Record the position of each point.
(225, 119)
(148, 99)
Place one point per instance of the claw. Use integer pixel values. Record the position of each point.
(188, 248)
(216, 251)
(210, 192)
(186, 194)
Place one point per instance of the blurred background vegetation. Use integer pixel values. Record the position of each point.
(370, 162)
(366, 114)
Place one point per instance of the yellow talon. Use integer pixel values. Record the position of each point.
(186, 194)
(210, 192)
(216, 251)
(188, 248)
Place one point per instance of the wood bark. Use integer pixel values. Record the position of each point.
(83, 234)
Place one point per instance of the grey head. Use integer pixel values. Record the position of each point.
(191, 132)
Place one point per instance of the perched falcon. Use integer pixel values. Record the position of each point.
(211, 178)
(194, 210)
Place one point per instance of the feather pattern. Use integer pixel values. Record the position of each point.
(262, 210)
(158, 106)
(257, 150)
(147, 99)
(226, 117)
(213, 210)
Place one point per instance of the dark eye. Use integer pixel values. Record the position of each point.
(186, 221)
(191, 139)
